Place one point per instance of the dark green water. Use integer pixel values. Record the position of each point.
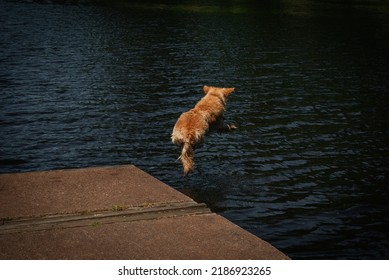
(87, 83)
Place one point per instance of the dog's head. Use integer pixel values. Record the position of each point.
(222, 92)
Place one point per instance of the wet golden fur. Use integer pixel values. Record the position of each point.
(192, 125)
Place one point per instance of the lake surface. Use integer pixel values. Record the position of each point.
(87, 83)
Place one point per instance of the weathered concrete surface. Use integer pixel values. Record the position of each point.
(113, 213)
(76, 190)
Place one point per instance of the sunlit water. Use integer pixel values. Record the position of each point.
(85, 84)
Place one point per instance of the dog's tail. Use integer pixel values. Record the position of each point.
(186, 158)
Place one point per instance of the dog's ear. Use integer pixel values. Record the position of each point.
(227, 91)
(206, 89)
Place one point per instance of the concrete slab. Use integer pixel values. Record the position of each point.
(113, 213)
(81, 190)
(187, 237)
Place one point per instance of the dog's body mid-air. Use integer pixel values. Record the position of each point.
(192, 126)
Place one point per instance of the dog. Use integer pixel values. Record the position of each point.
(192, 126)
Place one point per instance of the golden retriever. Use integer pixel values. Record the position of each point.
(191, 126)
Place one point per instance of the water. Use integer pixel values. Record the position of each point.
(87, 83)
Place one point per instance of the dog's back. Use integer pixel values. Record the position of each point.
(192, 126)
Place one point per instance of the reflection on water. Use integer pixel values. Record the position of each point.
(86, 84)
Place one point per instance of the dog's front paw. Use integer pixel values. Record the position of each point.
(232, 127)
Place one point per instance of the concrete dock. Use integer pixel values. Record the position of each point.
(117, 212)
